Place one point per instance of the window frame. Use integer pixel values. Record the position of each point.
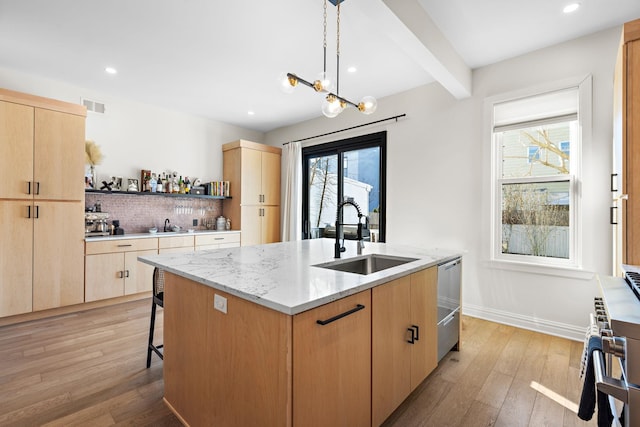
(339, 147)
(532, 262)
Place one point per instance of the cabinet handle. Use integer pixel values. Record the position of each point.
(124, 246)
(29, 212)
(37, 212)
(120, 274)
(415, 334)
(358, 307)
(126, 273)
(28, 187)
(613, 175)
(218, 238)
(37, 187)
(612, 215)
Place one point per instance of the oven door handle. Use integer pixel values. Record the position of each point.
(607, 385)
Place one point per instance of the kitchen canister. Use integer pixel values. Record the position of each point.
(221, 223)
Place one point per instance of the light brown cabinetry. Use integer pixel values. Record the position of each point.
(253, 171)
(332, 364)
(176, 244)
(404, 343)
(627, 137)
(257, 366)
(42, 195)
(113, 270)
(216, 241)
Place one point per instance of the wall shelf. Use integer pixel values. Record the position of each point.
(148, 193)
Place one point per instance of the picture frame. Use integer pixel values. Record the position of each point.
(132, 184)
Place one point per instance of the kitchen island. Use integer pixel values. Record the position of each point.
(261, 335)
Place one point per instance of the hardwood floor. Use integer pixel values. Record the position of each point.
(88, 369)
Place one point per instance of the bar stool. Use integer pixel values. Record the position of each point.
(157, 300)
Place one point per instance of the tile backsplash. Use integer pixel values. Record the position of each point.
(137, 213)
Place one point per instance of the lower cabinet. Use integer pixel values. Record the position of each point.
(217, 241)
(176, 244)
(260, 224)
(113, 270)
(332, 364)
(404, 342)
(34, 273)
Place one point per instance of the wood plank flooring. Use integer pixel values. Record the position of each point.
(88, 369)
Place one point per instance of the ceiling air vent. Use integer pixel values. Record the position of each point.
(95, 106)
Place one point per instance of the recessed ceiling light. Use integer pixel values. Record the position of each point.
(111, 70)
(571, 7)
(352, 69)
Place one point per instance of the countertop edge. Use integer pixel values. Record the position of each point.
(157, 235)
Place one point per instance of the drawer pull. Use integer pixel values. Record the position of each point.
(125, 246)
(218, 238)
(340, 316)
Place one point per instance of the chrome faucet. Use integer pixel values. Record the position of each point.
(339, 247)
(166, 222)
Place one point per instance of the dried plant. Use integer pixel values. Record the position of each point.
(92, 153)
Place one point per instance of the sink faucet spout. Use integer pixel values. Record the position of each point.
(338, 247)
(166, 223)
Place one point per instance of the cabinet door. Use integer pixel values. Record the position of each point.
(16, 261)
(104, 276)
(332, 364)
(271, 178)
(58, 275)
(391, 353)
(138, 275)
(58, 168)
(251, 176)
(16, 150)
(424, 354)
(270, 224)
(251, 225)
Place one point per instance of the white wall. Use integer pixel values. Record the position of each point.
(441, 144)
(135, 136)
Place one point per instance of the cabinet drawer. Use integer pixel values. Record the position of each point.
(176, 242)
(216, 239)
(120, 245)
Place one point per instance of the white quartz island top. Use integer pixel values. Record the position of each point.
(283, 276)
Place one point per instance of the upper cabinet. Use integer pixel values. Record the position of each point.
(45, 159)
(627, 141)
(253, 171)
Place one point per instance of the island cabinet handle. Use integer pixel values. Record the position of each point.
(415, 334)
(358, 307)
(124, 246)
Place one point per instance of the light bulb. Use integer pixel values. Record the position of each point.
(331, 107)
(287, 84)
(368, 105)
(325, 81)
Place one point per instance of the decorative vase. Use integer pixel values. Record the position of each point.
(94, 177)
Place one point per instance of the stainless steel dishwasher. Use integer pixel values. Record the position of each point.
(449, 282)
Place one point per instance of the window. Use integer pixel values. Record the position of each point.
(348, 169)
(536, 143)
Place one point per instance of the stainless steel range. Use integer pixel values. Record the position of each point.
(618, 314)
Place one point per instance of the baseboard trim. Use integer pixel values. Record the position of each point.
(549, 327)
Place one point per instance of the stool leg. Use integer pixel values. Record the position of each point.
(151, 329)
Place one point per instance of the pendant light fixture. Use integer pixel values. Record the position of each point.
(333, 104)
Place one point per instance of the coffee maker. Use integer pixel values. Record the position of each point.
(95, 224)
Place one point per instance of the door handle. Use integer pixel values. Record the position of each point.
(612, 215)
(613, 175)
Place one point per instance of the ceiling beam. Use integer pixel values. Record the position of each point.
(411, 28)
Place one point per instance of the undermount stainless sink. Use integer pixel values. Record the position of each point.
(367, 264)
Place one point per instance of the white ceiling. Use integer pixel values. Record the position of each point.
(220, 59)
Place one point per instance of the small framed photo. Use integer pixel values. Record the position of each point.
(116, 183)
(132, 184)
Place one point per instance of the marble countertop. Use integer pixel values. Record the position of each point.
(158, 234)
(283, 276)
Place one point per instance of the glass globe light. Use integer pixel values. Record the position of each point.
(368, 105)
(331, 107)
(325, 81)
(287, 84)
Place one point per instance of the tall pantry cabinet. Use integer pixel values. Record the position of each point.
(253, 171)
(41, 203)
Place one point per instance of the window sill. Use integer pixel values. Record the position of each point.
(547, 270)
